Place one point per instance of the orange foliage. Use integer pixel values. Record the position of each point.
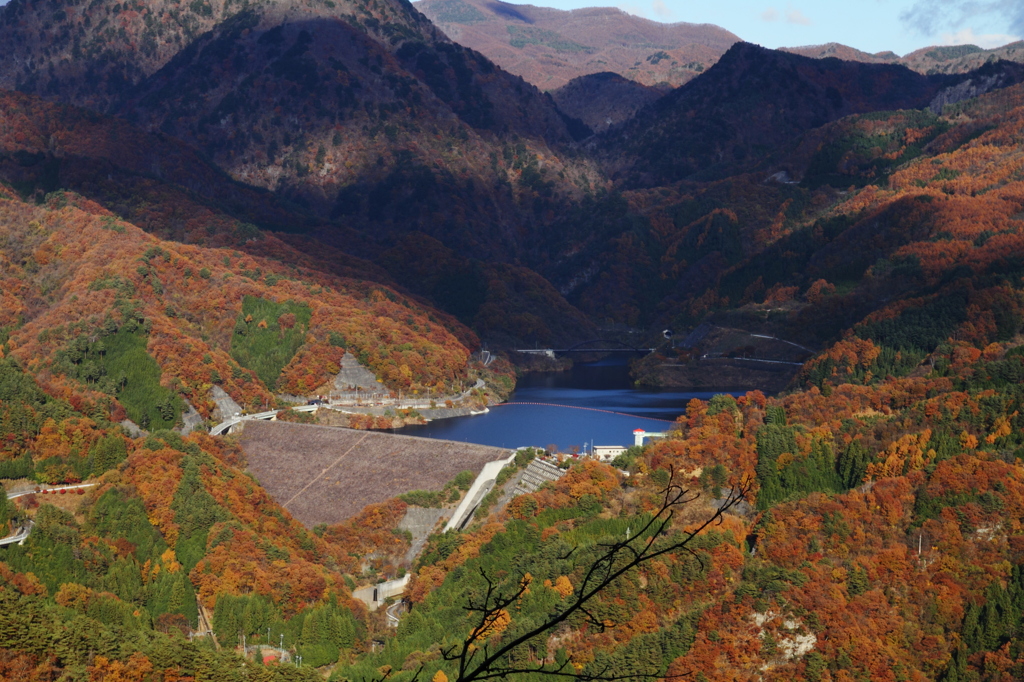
(192, 318)
(562, 586)
(136, 669)
(26, 583)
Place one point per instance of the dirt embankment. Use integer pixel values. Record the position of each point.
(325, 475)
(726, 374)
(726, 358)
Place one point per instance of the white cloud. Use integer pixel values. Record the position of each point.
(928, 17)
(967, 36)
(795, 16)
(661, 9)
(770, 14)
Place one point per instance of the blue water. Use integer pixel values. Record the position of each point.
(613, 410)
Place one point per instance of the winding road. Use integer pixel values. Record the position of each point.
(225, 426)
(18, 537)
(23, 532)
(392, 613)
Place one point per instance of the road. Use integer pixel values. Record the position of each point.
(226, 425)
(392, 613)
(24, 531)
(11, 496)
(17, 537)
(775, 338)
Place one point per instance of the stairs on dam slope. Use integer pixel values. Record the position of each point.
(537, 473)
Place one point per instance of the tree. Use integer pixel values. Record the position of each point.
(5, 511)
(478, 658)
(107, 453)
(853, 465)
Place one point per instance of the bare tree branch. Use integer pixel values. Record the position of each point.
(477, 661)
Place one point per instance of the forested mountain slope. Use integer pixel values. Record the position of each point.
(820, 201)
(310, 99)
(195, 317)
(90, 54)
(602, 100)
(364, 122)
(372, 135)
(319, 110)
(752, 100)
(173, 538)
(673, 245)
(885, 536)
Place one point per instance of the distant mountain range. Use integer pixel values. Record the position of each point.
(586, 58)
(550, 47)
(941, 59)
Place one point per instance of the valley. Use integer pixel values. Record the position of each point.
(218, 211)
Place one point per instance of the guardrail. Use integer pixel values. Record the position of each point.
(225, 426)
(24, 531)
(18, 537)
(11, 496)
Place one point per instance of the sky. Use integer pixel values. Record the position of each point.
(869, 25)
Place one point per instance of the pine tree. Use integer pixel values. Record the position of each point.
(195, 511)
(856, 581)
(772, 440)
(853, 465)
(176, 601)
(971, 632)
(5, 512)
(107, 453)
(956, 671)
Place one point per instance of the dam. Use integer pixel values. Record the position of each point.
(325, 474)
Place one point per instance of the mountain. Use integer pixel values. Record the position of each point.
(844, 52)
(887, 474)
(669, 249)
(602, 100)
(960, 58)
(550, 47)
(937, 59)
(172, 227)
(752, 100)
(76, 274)
(347, 126)
(92, 54)
(376, 98)
(390, 128)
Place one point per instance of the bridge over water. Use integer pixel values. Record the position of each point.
(609, 346)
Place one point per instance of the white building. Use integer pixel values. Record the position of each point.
(607, 453)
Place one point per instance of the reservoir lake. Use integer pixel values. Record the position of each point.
(592, 403)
